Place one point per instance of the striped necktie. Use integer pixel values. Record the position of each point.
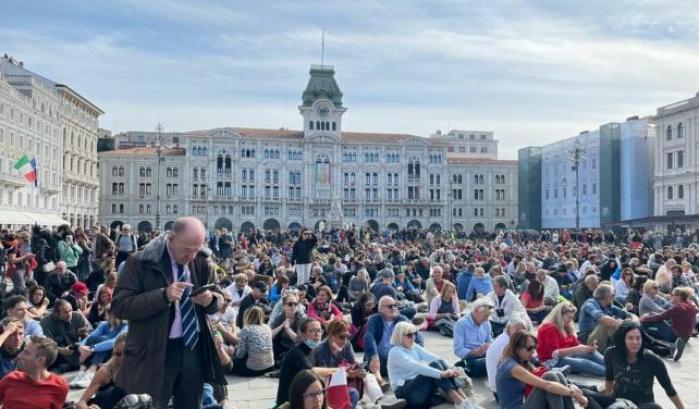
(190, 326)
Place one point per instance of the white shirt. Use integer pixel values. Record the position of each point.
(493, 356)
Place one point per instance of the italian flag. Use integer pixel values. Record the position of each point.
(27, 168)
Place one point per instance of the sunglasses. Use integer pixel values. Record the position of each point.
(410, 334)
(291, 304)
(530, 348)
(391, 306)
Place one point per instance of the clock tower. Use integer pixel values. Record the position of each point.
(321, 106)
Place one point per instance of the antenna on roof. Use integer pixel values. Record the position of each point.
(322, 48)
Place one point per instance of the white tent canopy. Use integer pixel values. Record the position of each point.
(14, 217)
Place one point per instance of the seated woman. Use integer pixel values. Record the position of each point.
(444, 310)
(97, 348)
(281, 284)
(255, 353)
(102, 390)
(515, 373)
(361, 310)
(683, 317)
(38, 303)
(417, 375)
(285, 327)
(533, 301)
(307, 391)
(624, 285)
(634, 298)
(559, 345)
(631, 370)
(98, 309)
(322, 307)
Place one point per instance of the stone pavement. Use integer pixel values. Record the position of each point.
(259, 393)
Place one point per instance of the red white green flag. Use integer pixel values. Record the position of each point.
(27, 167)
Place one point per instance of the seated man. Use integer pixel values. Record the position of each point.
(66, 327)
(257, 297)
(583, 292)
(32, 386)
(472, 337)
(377, 338)
(384, 288)
(494, 354)
(599, 318)
(505, 304)
(12, 341)
(17, 310)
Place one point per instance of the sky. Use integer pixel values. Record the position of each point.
(531, 71)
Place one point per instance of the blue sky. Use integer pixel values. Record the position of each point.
(533, 72)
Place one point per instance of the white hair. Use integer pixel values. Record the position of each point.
(480, 303)
(402, 328)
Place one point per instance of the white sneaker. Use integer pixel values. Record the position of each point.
(77, 378)
(85, 380)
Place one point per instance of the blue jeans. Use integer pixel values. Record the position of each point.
(354, 397)
(591, 363)
(418, 391)
(661, 330)
(97, 358)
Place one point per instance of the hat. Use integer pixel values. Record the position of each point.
(80, 288)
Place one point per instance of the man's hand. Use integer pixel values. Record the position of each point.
(85, 352)
(584, 349)
(175, 290)
(374, 365)
(204, 299)
(11, 328)
(65, 351)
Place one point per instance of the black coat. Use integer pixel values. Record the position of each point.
(139, 297)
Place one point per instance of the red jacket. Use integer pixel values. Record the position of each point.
(550, 339)
(683, 316)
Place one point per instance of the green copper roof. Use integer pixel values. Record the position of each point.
(322, 84)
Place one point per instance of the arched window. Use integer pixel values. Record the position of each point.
(195, 173)
(219, 163)
(680, 130)
(142, 172)
(140, 208)
(680, 188)
(121, 208)
(502, 179)
(228, 163)
(203, 173)
(148, 172)
(121, 171)
(148, 209)
(175, 172)
(668, 133)
(669, 192)
(480, 179)
(318, 125)
(115, 171)
(114, 208)
(334, 126)
(310, 125)
(169, 172)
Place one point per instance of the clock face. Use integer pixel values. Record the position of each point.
(323, 110)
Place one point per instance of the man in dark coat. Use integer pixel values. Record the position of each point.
(168, 352)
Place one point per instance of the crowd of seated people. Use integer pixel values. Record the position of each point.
(522, 310)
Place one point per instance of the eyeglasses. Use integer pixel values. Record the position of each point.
(410, 334)
(314, 395)
(291, 304)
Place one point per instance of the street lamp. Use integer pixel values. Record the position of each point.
(574, 155)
